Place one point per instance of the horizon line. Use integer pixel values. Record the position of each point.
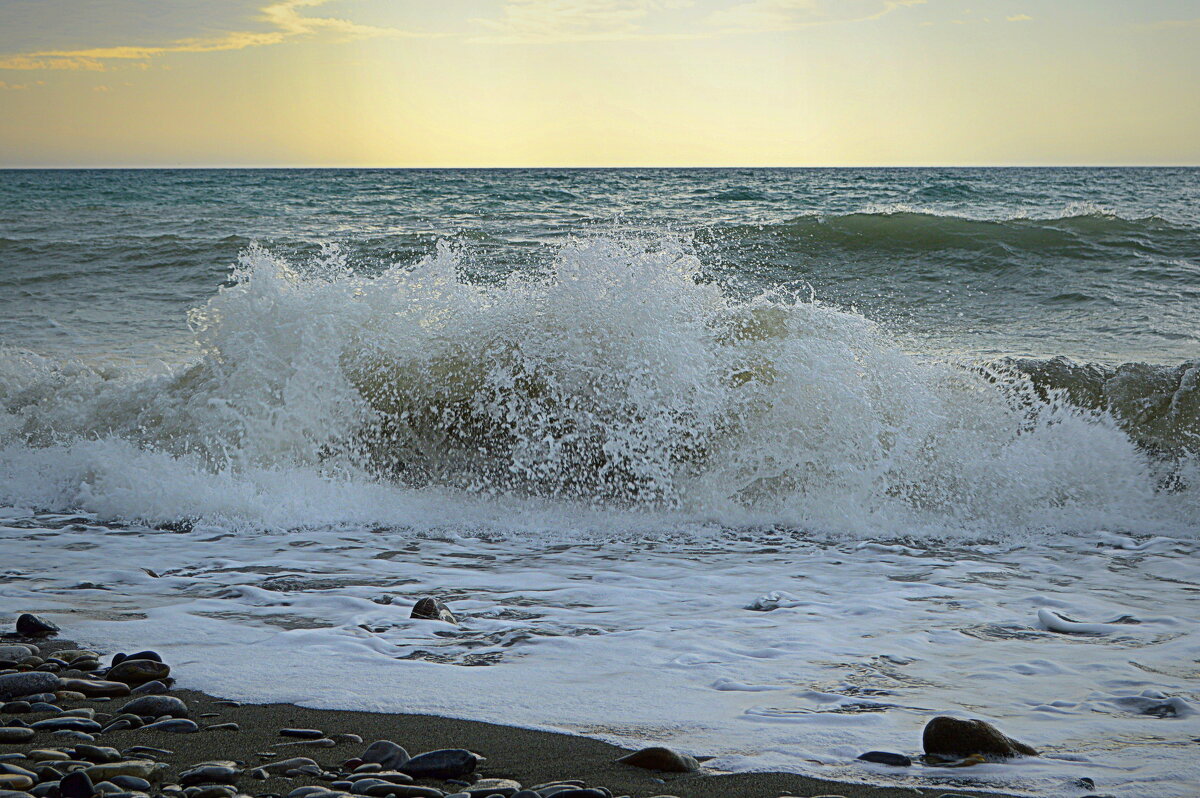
(62, 168)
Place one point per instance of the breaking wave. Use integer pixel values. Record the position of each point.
(618, 378)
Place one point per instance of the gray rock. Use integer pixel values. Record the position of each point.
(29, 625)
(284, 765)
(386, 754)
(17, 685)
(95, 688)
(16, 652)
(155, 706)
(952, 737)
(42, 706)
(661, 759)
(176, 725)
(15, 708)
(447, 763)
(231, 726)
(73, 736)
(485, 788)
(302, 734)
(404, 791)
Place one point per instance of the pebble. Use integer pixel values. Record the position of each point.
(661, 759)
(145, 750)
(138, 671)
(886, 758)
(47, 755)
(385, 753)
(74, 736)
(69, 724)
(284, 765)
(447, 763)
(346, 738)
(155, 706)
(302, 734)
(16, 652)
(42, 706)
(29, 625)
(391, 776)
(176, 725)
(210, 791)
(15, 734)
(15, 707)
(14, 782)
(19, 685)
(223, 727)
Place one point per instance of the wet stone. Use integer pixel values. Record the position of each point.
(94, 688)
(951, 737)
(30, 625)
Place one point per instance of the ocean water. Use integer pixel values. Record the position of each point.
(766, 465)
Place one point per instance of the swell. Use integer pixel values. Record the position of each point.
(1079, 235)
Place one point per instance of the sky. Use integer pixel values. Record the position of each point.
(476, 83)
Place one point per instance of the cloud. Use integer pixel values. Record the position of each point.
(578, 20)
(1020, 18)
(285, 17)
(787, 15)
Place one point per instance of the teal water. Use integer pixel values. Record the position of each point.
(1099, 265)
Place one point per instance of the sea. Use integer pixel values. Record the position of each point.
(766, 465)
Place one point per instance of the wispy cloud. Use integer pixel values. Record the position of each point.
(786, 15)
(285, 17)
(1019, 18)
(576, 20)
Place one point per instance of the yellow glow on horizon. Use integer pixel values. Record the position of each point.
(612, 82)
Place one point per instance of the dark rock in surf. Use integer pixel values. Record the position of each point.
(886, 758)
(447, 763)
(952, 737)
(662, 759)
(430, 609)
(29, 625)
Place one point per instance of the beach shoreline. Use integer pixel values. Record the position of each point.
(528, 756)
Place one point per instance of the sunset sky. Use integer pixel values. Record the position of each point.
(598, 82)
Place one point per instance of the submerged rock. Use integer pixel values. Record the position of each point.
(951, 737)
(663, 759)
(430, 609)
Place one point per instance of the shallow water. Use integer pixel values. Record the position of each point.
(768, 465)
